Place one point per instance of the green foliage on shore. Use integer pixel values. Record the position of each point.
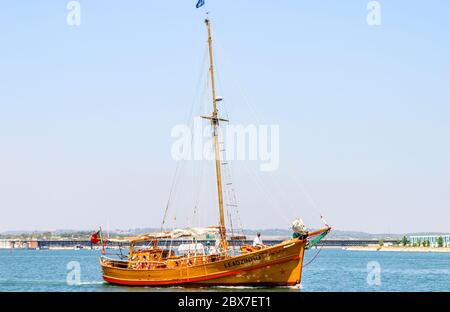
(440, 241)
(405, 241)
(76, 235)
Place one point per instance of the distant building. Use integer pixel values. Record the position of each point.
(5, 244)
(433, 239)
(18, 244)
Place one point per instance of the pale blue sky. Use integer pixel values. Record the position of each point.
(364, 112)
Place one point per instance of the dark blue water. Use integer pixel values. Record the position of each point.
(332, 270)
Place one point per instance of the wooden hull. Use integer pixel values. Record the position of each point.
(278, 265)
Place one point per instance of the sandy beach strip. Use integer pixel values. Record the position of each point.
(397, 248)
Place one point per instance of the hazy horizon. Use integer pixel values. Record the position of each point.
(86, 113)
(245, 229)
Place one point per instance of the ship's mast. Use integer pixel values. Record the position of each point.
(215, 123)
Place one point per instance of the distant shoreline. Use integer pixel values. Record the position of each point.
(397, 248)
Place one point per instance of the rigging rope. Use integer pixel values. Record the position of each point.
(257, 119)
(180, 164)
(317, 254)
(170, 195)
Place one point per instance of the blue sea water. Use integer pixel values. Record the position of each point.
(331, 270)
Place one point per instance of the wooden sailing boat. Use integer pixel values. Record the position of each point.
(150, 264)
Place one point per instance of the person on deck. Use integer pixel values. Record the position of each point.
(257, 241)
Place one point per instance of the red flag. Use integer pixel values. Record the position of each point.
(94, 238)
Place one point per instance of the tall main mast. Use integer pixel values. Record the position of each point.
(215, 123)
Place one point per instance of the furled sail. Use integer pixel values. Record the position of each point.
(176, 233)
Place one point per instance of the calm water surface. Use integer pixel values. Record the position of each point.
(332, 270)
